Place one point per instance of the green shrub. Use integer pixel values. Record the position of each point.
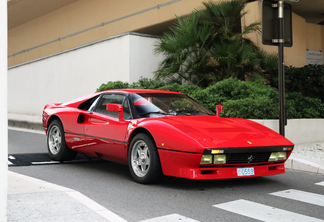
(308, 80)
(234, 89)
(189, 90)
(146, 83)
(299, 106)
(261, 107)
(113, 85)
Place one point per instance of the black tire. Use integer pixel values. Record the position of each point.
(143, 160)
(56, 146)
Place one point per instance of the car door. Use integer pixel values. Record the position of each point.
(105, 132)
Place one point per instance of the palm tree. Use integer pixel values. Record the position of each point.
(208, 45)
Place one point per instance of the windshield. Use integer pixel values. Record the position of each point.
(161, 104)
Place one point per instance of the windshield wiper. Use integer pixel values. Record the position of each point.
(156, 112)
(190, 112)
(204, 113)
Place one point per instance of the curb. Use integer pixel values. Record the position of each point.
(26, 122)
(295, 163)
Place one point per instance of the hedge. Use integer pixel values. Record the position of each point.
(307, 80)
(241, 99)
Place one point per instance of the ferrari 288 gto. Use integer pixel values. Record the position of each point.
(162, 133)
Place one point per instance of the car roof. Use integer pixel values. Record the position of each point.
(141, 91)
(76, 102)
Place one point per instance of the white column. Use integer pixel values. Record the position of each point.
(3, 111)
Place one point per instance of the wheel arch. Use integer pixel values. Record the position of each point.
(52, 118)
(138, 131)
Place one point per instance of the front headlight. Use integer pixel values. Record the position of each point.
(213, 159)
(206, 159)
(282, 155)
(275, 156)
(220, 159)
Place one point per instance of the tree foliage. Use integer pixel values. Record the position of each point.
(208, 45)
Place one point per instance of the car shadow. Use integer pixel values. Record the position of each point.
(121, 171)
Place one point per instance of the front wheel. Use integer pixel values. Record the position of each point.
(143, 160)
(57, 148)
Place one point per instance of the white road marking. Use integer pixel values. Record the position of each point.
(95, 206)
(263, 212)
(12, 157)
(170, 218)
(320, 183)
(307, 197)
(47, 162)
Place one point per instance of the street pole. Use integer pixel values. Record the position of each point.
(281, 71)
(275, 15)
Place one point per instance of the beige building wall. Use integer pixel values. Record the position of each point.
(87, 21)
(296, 55)
(314, 34)
(79, 19)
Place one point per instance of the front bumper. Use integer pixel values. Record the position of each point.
(186, 165)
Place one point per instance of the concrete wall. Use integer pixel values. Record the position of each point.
(299, 131)
(78, 72)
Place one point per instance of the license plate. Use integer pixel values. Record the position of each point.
(245, 171)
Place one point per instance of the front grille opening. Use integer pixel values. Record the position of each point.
(242, 164)
(204, 172)
(238, 158)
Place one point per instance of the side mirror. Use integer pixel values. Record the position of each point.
(219, 109)
(116, 108)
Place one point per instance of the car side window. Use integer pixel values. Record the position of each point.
(112, 99)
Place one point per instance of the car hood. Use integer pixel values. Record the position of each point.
(213, 131)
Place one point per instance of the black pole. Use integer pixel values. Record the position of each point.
(281, 71)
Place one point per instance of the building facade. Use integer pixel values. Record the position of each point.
(59, 50)
(38, 28)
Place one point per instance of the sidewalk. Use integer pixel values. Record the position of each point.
(26, 195)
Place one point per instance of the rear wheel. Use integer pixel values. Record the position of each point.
(57, 148)
(143, 160)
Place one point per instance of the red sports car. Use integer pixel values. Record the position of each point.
(162, 133)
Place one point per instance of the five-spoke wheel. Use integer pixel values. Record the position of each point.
(57, 148)
(144, 163)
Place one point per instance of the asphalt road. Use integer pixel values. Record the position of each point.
(110, 185)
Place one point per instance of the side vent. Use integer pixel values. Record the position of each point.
(80, 118)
